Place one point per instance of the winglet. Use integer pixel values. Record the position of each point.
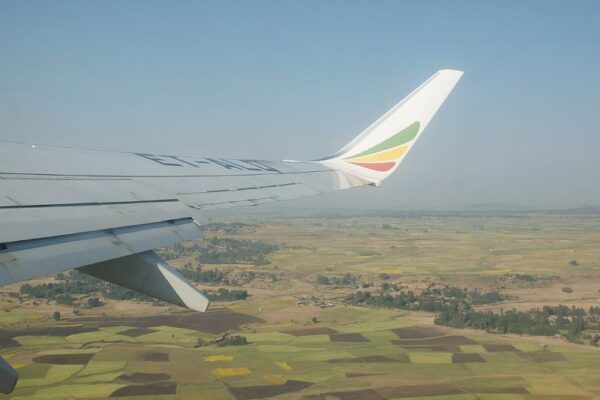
(374, 154)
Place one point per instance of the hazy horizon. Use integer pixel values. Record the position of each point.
(298, 80)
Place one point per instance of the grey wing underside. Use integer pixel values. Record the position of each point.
(64, 208)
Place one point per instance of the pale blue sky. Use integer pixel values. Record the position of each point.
(282, 79)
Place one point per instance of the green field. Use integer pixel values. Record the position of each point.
(273, 357)
(341, 352)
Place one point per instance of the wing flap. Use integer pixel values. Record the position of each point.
(147, 273)
(33, 258)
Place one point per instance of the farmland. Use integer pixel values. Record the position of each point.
(301, 349)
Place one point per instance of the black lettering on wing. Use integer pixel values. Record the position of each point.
(157, 159)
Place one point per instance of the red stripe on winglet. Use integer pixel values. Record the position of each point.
(384, 166)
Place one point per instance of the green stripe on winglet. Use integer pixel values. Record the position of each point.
(404, 136)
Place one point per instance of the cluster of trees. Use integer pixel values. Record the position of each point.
(233, 340)
(478, 297)
(247, 276)
(173, 252)
(218, 250)
(474, 296)
(76, 283)
(547, 321)
(430, 299)
(234, 251)
(227, 295)
(42, 291)
(340, 280)
(199, 275)
(533, 322)
(94, 302)
(230, 228)
(594, 340)
(72, 284)
(455, 309)
(403, 300)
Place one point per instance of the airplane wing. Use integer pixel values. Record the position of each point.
(104, 212)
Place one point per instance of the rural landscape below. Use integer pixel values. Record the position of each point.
(365, 306)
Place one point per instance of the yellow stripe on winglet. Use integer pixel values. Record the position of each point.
(388, 155)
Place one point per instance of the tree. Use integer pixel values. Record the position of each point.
(56, 316)
(227, 295)
(573, 263)
(94, 302)
(64, 299)
(576, 326)
(323, 280)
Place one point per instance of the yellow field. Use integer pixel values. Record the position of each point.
(229, 372)
(219, 357)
